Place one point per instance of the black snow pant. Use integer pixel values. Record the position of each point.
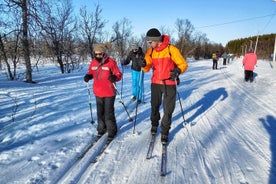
(224, 61)
(248, 75)
(169, 94)
(215, 64)
(106, 116)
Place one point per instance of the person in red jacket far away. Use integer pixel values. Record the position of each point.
(249, 62)
(105, 72)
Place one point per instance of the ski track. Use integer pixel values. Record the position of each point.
(78, 170)
(238, 170)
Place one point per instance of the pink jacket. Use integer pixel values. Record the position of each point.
(249, 61)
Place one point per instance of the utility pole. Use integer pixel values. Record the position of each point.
(274, 53)
(255, 50)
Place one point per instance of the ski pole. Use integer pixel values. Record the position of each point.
(89, 101)
(122, 102)
(180, 102)
(122, 80)
(138, 94)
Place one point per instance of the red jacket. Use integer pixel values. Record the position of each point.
(162, 60)
(249, 61)
(102, 87)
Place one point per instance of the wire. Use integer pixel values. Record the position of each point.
(269, 20)
(236, 21)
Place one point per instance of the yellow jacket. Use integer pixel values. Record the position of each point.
(162, 60)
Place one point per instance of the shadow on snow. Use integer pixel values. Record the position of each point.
(270, 124)
(202, 106)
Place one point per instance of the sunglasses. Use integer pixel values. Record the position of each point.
(98, 54)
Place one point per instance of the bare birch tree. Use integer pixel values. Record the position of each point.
(57, 27)
(23, 6)
(91, 26)
(121, 35)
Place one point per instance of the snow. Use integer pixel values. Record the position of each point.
(230, 136)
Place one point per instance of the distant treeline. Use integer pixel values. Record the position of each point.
(264, 47)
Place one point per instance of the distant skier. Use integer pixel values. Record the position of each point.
(224, 56)
(249, 62)
(104, 71)
(215, 58)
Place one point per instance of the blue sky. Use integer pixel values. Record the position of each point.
(220, 20)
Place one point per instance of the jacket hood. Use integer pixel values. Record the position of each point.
(165, 43)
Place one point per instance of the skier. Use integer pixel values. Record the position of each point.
(105, 72)
(167, 64)
(224, 56)
(136, 55)
(249, 61)
(215, 60)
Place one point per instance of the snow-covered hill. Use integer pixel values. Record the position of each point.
(230, 136)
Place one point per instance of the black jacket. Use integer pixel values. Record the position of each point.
(135, 57)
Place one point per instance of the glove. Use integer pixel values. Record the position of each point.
(112, 78)
(142, 63)
(87, 77)
(123, 62)
(175, 73)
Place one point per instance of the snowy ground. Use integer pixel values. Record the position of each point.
(230, 136)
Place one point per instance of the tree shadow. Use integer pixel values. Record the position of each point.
(270, 124)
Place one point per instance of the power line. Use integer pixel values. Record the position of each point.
(269, 20)
(236, 21)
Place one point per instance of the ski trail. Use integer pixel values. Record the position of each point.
(249, 93)
(74, 173)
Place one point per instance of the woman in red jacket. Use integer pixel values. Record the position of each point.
(105, 72)
(249, 62)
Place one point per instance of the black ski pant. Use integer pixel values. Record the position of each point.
(168, 92)
(215, 64)
(224, 61)
(106, 116)
(248, 75)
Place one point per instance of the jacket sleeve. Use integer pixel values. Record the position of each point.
(116, 71)
(90, 72)
(178, 59)
(128, 59)
(244, 60)
(148, 60)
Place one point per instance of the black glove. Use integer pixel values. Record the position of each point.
(87, 77)
(123, 62)
(175, 73)
(112, 78)
(142, 63)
